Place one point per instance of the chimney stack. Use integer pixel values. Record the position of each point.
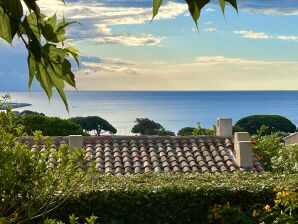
(243, 152)
(75, 141)
(224, 127)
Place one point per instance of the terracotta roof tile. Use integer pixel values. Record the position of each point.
(126, 155)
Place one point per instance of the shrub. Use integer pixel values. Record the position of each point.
(265, 148)
(275, 123)
(286, 160)
(169, 198)
(30, 186)
(283, 210)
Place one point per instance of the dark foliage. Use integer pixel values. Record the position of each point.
(94, 123)
(187, 131)
(50, 126)
(275, 123)
(145, 126)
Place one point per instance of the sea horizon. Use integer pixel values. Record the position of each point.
(173, 109)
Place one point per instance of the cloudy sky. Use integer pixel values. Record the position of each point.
(121, 50)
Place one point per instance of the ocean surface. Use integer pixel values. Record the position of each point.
(173, 110)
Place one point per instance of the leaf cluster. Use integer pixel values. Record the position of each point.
(195, 6)
(44, 39)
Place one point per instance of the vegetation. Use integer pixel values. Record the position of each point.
(50, 126)
(45, 42)
(29, 112)
(265, 148)
(203, 131)
(145, 126)
(95, 124)
(34, 182)
(275, 123)
(187, 131)
(169, 198)
(286, 160)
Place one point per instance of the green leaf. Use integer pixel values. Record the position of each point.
(74, 53)
(156, 6)
(5, 30)
(32, 6)
(31, 65)
(233, 3)
(222, 4)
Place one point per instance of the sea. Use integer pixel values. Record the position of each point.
(172, 109)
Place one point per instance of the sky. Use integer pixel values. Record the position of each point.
(254, 49)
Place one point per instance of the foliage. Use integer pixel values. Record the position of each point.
(195, 6)
(187, 131)
(286, 160)
(50, 126)
(44, 39)
(283, 211)
(169, 198)
(203, 131)
(275, 123)
(145, 126)
(265, 148)
(238, 129)
(94, 123)
(73, 220)
(29, 112)
(35, 182)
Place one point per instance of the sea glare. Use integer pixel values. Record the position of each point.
(173, 110)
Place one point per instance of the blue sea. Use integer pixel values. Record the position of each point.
(173, 110)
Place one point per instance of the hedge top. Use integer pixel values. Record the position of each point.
(139, 154)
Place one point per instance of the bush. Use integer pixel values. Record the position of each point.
(203, 131)
(265, 148)
(170, 198)
(286, 160)
(30, 186)
(50, 126)
(275, 123)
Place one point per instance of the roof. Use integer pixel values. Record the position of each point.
(127, 155)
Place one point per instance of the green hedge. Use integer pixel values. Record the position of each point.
(169, 198)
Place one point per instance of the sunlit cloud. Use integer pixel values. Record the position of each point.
(252, 35)
(290, 38)
(211, 30)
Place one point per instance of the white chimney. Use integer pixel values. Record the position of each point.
(224, 127)
(75, 141)
(243, 152)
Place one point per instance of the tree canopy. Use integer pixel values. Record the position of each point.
(50, 126)
(145, 126)
(274, 123)
(94, 123)
(44, 37)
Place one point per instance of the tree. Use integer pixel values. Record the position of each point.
(145, 126)
(94, 123)
(29, 112)
(50, 126)
(275, 123)
(44, 39)
(187, 131)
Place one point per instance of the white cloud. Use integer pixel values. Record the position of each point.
(97, 20)
(252, 35)
(210, 10)
(211, 30)
(274, 11)
(290, 38)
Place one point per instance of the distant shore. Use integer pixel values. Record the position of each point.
(14, 105)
